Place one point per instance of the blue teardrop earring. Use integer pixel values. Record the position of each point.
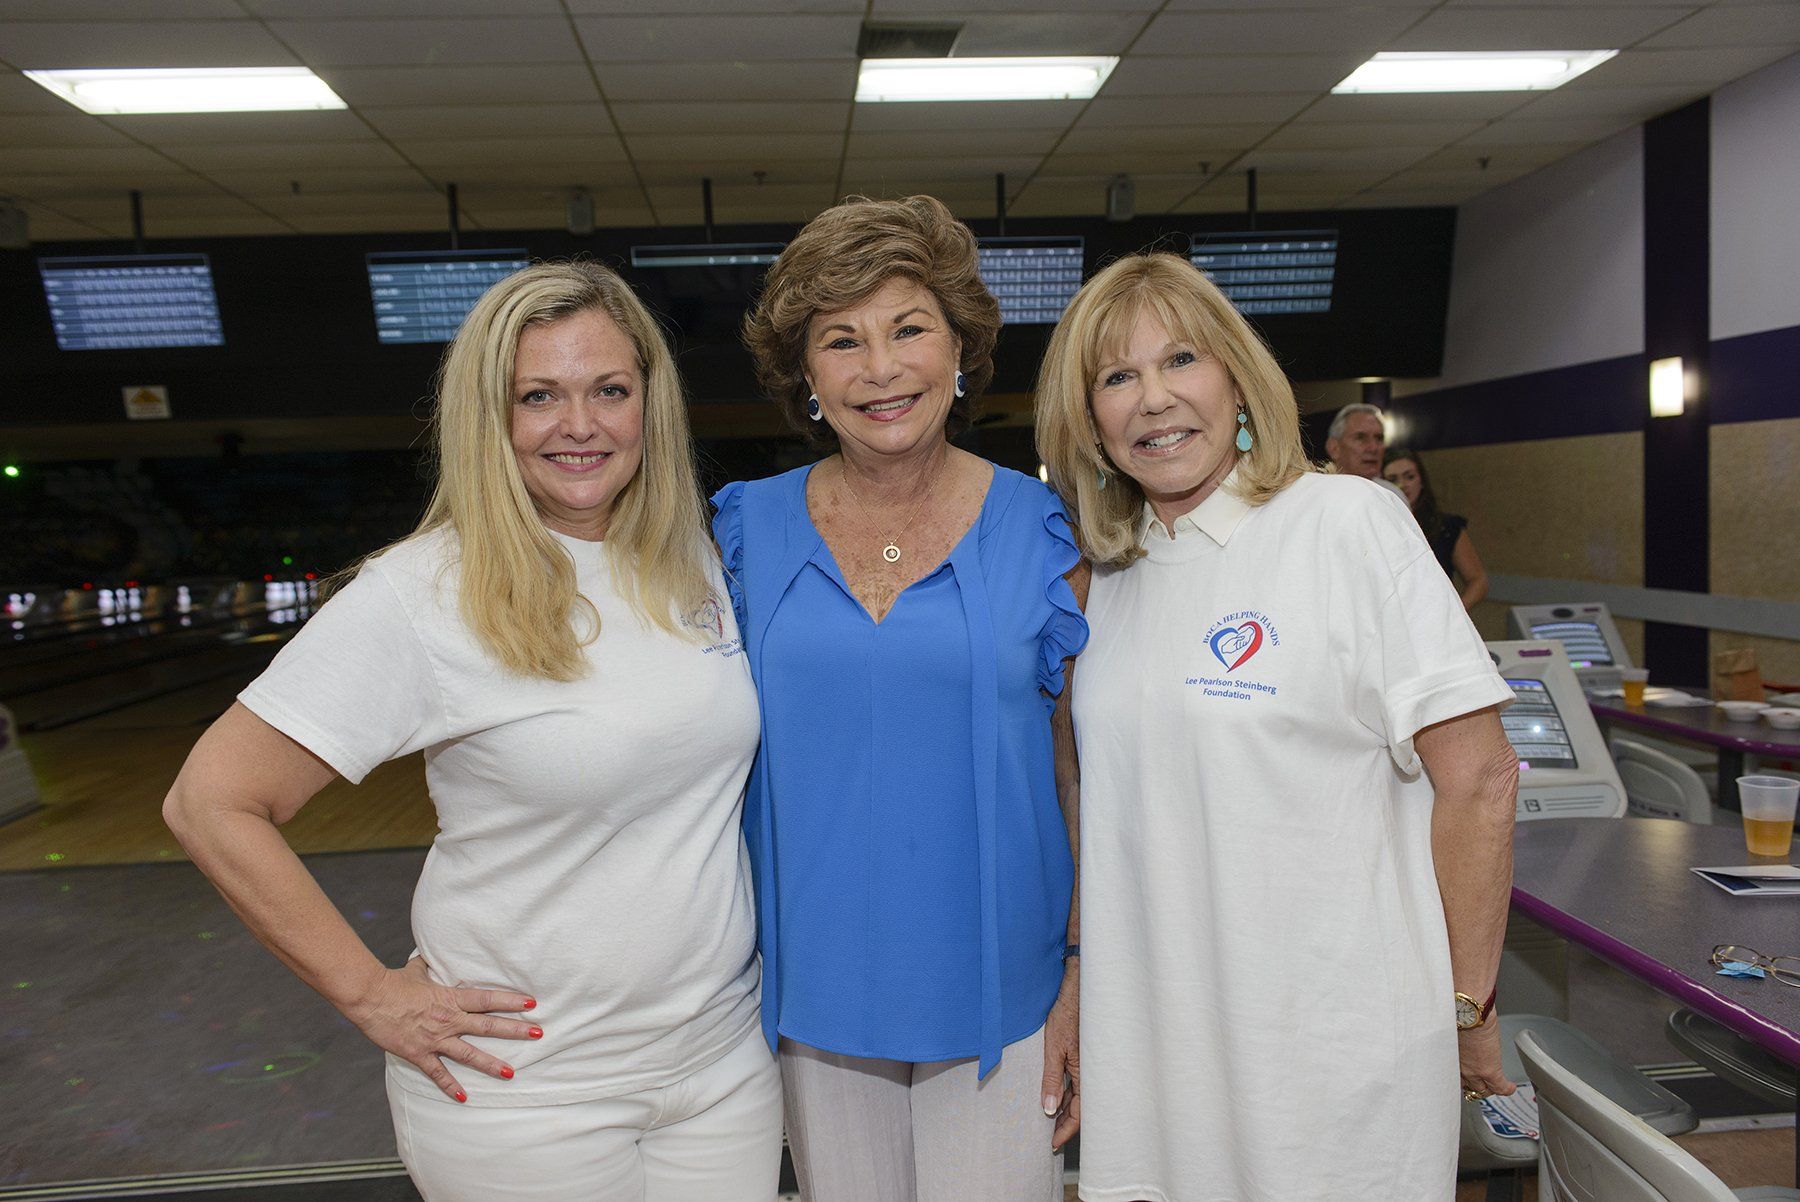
(812, 408)
(1245, 439)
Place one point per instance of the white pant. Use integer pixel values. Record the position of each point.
(866, 1130)
(714, 1137)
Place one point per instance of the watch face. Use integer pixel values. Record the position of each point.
(1466, 1014)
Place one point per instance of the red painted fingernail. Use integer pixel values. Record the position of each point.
(506, 1071)
(531, 1003)
(537, 1032)
(461, 1096)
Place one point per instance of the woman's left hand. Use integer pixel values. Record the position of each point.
(1478, 1051)
(1062, 1058)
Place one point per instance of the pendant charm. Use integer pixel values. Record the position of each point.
(891, 553)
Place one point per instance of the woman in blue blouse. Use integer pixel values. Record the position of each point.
(907, 617)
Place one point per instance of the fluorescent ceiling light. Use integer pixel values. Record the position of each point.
(912, 79)
(1505, 71)
(112, 93)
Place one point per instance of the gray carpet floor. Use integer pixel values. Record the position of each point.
(143, 1030)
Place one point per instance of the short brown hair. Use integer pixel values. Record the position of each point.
(842, 257)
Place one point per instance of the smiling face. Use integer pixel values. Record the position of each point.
(1357, 452)
(884, 370)
(1166, 413)
(1404, 475)
(577, 419)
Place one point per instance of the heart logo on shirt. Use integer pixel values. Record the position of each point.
(1236, 644)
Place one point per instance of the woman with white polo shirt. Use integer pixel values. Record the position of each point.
(1296, 797)
(557, 638)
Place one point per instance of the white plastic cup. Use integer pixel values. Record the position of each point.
(1768, 803)
(1633, 680)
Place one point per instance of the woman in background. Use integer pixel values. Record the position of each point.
(1448, 533)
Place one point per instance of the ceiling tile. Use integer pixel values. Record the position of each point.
(320, 182)
(1037, 32)
(1551, 27)
(1440, 106)
(1179, 142)
(20, 95)
(56, 129)
(712, 81)
(957, 114)
(664, 147)
(1734, 25)
(1132, 162)
(950, 9)
(428, 42)
(749, 116)
(1712, 67)
(279, 10)
(1502, 159)
(714, 7)
(542, 83)
(727, 171)
(104, 10)
(1346, 135)
(82, 160)
(1272, 164)
(490, 121)
(70, 44)
(865, 144)
(1144, 75)
(437, 155)
(1359, 31)
(1212, 110)
(1414, 6)
(1573, 100)
(1516, 130)
(263, 156)
(180, 129)
(730, 37)
(940, 167)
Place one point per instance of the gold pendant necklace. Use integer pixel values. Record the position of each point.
(891, 551)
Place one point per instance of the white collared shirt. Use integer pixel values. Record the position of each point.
(1216, 516)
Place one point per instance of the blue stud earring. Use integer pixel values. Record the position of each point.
(1245, 439)
(960, 387)
(812, 408)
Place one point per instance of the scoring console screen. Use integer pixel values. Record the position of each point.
(1582, 642)
(1535, 728)
(423, 296)
(129, 302)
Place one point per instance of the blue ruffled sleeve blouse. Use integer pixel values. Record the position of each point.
(912, 864)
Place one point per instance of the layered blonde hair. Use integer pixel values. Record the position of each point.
(518, 592)
(1097, 323)
(841, 258)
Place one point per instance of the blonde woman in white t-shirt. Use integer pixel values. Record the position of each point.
(580, 1017)
(1296, 796)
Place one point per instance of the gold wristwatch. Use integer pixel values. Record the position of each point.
(1470, 1013)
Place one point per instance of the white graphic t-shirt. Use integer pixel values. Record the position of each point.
(1266, 1010)
(588, 851)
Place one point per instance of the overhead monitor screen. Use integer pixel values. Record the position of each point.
(1534, 727)
(1582, 642)
(132, 301)
(707, 254)
(1034, 279)
(423, 296)
(1278, 272)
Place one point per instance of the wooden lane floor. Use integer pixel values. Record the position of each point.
(103, 779)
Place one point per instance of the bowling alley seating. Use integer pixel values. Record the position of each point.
(1594, 1150)
(1733, 1058)
(1622, 1085)
(1657, 785)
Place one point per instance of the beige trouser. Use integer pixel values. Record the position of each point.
(894, 1131)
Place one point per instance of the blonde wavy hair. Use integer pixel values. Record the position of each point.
(841, 258)
(518, 591)
(1096, 324)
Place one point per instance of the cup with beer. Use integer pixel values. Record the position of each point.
(1634, 680)
(1768, 803)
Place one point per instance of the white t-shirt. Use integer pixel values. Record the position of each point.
(1266, 1009)
(588, 851)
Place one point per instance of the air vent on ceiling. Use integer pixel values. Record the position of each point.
(881, 39)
